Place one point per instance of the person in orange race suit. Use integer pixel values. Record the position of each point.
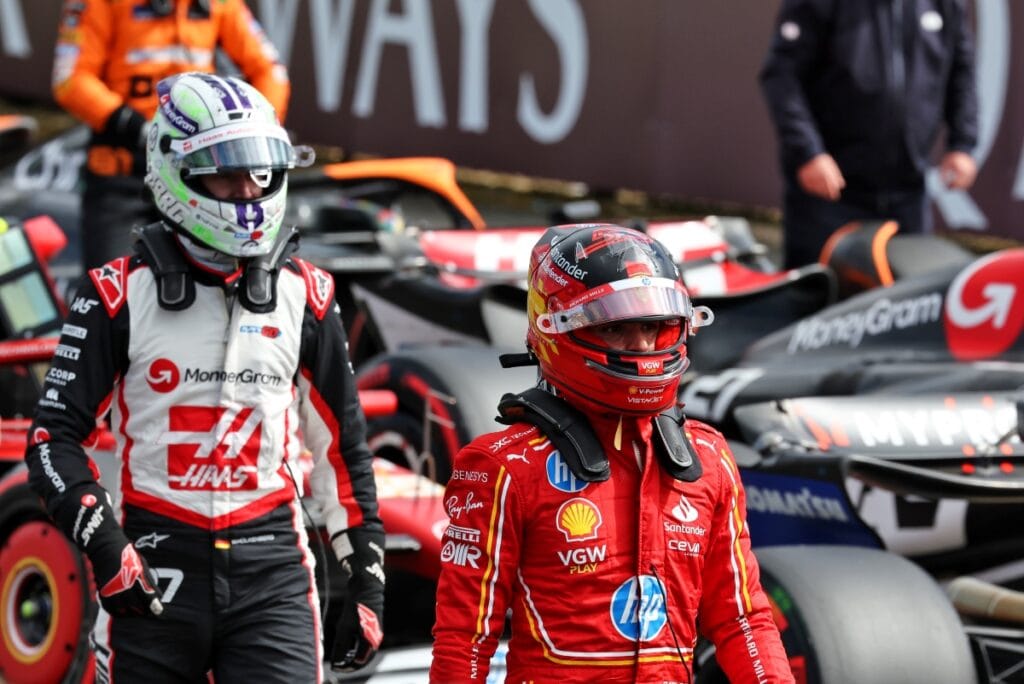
(109, 56)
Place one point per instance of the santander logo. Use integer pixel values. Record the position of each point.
(984, 315)
(685, 511)
(163, 375)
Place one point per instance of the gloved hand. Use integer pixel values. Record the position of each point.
(127, 585)
(360, 628)
(131, 588)
(125, 127)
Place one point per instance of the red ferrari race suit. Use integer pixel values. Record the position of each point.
(605, 580)
(206, 404)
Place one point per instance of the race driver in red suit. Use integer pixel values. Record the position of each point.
(220, 357)
(609, 527)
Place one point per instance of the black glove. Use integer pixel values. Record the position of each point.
(360, 627)
(127, 585)
(124, 128)
(131, 588)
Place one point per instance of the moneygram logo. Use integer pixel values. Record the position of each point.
(163, 376)
(882, 317)
(984, 315)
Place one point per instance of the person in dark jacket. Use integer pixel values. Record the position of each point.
(859, 93)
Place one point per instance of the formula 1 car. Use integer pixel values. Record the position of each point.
(889, 420)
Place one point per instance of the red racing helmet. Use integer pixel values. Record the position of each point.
(588, 275)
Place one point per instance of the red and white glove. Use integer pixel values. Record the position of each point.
(360, 628)
(127, 585)
(132, 588)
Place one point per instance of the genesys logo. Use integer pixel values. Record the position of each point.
(984, 314)
(163, 376)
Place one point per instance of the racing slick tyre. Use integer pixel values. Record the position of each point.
(851, 614)
(446, 397)
(46, 606)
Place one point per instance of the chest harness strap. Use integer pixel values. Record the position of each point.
(571, 433)
(176, 289)
(176, 286)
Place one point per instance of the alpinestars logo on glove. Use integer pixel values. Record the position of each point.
(370, 626)
(130, 573)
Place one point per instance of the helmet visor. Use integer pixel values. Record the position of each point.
(633, 298)
(237, 149)
(241, 155)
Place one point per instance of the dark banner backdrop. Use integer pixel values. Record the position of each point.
(654, 95)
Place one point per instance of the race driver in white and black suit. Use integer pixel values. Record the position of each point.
(214, 351)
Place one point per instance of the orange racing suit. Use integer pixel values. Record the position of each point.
(109, 57)
(112, 53)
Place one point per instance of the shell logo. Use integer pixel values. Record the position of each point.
(578, 519)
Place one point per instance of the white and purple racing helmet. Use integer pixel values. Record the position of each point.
(208, 124)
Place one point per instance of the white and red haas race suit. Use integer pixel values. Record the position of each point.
(211, 407)
(606, 581)
(206, 403)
